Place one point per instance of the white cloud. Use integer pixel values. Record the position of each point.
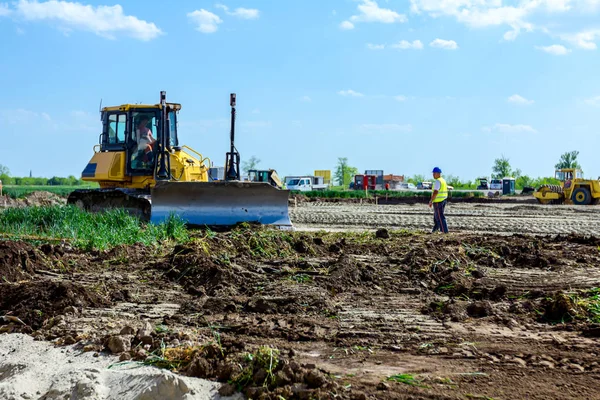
(305, 99)
(20, 31)
(444, 44)
(346, 25)
(508, 128)
(22, 116)
(106, 21)
(350, 92)
(386, 128)
(584, 40)
(519, 100)
(244, 13)
(206, 21)
(369, 11)
(400, 98)
(555, 49)
(405, 44)
(593, 101)
(372, 46)
(4, 10)
(485, 13)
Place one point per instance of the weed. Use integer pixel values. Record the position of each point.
(407, 379)
(301, 278)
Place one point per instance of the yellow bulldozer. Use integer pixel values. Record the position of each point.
(141, 167)
(573, 189)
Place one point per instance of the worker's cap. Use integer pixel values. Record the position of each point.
(437, 169)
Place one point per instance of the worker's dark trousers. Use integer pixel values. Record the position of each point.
(439, 219)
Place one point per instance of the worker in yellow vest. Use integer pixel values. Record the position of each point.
(438, 201)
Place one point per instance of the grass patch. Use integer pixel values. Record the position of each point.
(19, 192)
(87, 230)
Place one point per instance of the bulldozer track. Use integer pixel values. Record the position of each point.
(135, 202)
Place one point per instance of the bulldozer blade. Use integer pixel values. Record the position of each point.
(221, 203)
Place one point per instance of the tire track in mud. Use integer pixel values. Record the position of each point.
(480, 218)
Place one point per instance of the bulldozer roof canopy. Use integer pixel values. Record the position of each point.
(127, 107)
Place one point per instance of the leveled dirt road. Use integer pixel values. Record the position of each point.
(482, 218)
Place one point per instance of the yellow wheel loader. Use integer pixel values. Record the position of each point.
(573, 189)
(141, 167)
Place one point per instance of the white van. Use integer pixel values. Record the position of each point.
(496, 184)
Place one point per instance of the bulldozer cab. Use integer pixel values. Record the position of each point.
(269, 176)
(135, 130)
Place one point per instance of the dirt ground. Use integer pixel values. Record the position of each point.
(315, 315)
(501, 217)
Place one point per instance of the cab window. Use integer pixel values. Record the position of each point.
(117, 124)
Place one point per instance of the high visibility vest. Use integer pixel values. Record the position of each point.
(443, 192)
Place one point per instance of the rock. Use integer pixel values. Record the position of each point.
(478, 273)
(282, 378)
(227, 390)
(547, 364)
(359, 396)
(175, 343)
(576, 367)
(480, 309)
(70, 310)
(125, 357)
(146, 340)
(519, 361)
(383, 386)
(468, 354)
(443, 350)
(382, 233)
(145, 330)
(118, 344)
(294, 366)
(315, 379)
(69, 340)
(127, 330)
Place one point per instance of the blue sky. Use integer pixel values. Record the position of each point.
(395, 85)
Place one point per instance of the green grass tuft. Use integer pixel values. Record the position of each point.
(87, 230)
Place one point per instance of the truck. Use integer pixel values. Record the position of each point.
(305, 183)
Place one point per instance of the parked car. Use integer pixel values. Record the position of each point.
(424, 185)
(496, 184)
(406, 186)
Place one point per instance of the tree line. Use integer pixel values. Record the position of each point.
(8, 179)
(344, 174)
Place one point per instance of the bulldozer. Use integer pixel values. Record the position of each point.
(269, 175)
(141, 167)
(573, 189)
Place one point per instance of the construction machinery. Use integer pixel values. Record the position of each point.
(269, 175)
(483, 184)
(573, 189)
(141, 167)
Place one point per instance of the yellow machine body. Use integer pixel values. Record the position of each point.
(141, 167)
(573, 189)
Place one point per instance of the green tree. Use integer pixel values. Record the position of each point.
(5, 175)
(344, 173)
(502, 169)
(415, 179)
(568, 160)
(251, 163)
